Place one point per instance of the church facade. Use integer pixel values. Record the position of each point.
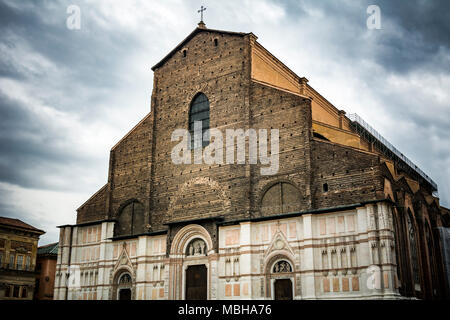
(343, 217)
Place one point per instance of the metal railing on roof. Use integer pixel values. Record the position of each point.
(393, 150)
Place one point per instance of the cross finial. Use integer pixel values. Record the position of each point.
(201, 13)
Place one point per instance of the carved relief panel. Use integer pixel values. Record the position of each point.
(196, 247)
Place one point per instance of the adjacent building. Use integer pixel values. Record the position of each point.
(18, 249)
(46, 268)
(345, 216)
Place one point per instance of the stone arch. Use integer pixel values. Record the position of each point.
(281, 196)
(431, 258)
(180, 262)
(270, 277)
(400, 257)
(277, 255)
(413, 241)
(116, 286)
(186, 235)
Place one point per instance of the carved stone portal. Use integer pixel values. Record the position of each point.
(196, 247)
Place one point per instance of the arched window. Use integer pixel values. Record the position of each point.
(431, 261)
(398, 254)
(199, 111)
(281, 198)
(413, 252)
(131, 219)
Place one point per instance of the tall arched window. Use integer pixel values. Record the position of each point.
(413, 252)
(399, 254)
(199, 111)
(130, 220)
(431, 261)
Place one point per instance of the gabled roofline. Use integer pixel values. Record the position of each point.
(279, 62)
(129, 132)
(189, 37)
(269, 85)
(91, 197)
(23, 226)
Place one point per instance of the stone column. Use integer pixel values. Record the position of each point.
(245, 260)
(103, 272)
(141, 268)
(307, 265)
(73, 290)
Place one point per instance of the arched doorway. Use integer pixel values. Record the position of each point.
(280, 278)
(124, 286)
(282, 285)
(191, 264)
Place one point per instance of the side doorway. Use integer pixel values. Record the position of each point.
(283, 289)
(125, 294)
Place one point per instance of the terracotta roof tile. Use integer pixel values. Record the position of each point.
(17, 223)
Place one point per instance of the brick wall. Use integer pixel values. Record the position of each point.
(291, 115)
(130, 166)
(94, 208)
(141, 167)
(352, 176)
(220, 72)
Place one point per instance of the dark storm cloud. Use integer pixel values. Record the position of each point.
(89, 54)
(27, 144)
(82, 63)
(420, 37)
(405, 66)
(424, 35)
(428, 19)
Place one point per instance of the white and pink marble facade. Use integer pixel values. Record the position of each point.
(339, 255)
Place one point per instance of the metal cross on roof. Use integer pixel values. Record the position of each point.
(201, 12)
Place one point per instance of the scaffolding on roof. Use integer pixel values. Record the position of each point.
(372, 136)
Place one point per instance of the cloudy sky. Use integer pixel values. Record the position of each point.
(67, 96)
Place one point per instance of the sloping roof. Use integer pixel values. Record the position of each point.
(49, 249)
(17, 224)
(93, 196)
(189, 37)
